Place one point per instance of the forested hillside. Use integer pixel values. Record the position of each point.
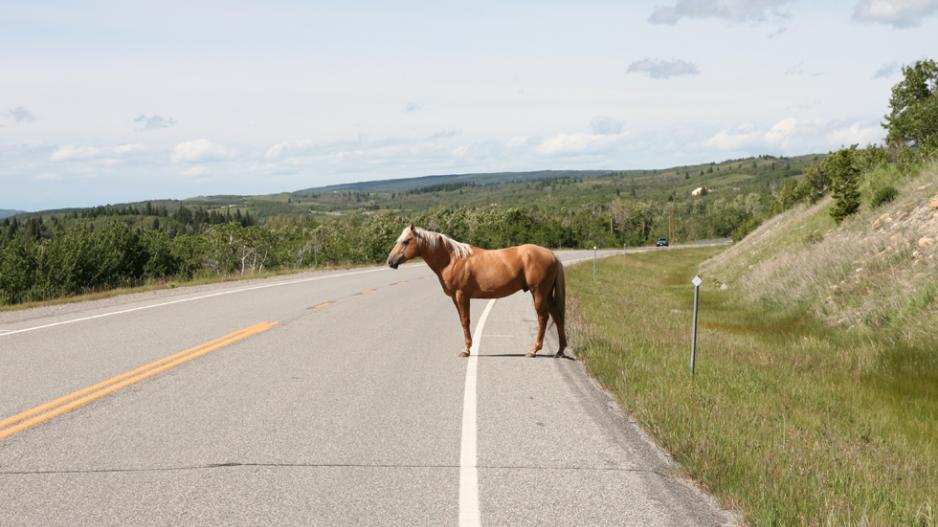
(54, 253)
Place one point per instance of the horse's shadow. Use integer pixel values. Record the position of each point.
(525, 355)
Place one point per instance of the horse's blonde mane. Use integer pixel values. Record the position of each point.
(436, 239)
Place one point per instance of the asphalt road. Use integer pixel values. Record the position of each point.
(351, 407)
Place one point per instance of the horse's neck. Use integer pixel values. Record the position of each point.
(437, 259)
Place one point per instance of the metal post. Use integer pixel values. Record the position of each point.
(594, 263)
(693, 333)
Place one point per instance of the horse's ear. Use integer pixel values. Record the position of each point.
(412, 228)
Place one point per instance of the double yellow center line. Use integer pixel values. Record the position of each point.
(43, 412)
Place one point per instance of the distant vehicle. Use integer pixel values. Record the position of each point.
(662, 242)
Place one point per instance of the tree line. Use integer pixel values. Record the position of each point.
(105, 247)
(42, 259)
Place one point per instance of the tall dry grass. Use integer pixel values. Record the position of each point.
(868, 274)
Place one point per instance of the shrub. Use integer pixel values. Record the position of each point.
(845, 182)
(745, 228)
(884, 195)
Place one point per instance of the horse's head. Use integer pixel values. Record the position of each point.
(404, 248)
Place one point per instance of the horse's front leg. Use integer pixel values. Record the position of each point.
(462, 306)
(540, 305)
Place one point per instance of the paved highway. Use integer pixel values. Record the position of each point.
(331, 398)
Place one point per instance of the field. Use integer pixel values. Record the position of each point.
(788, 420)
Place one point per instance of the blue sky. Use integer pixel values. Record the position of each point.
(105, 102)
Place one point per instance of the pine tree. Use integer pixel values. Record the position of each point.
(845, 182)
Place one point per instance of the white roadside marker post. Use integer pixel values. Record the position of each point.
(594, 263)
(693, 332)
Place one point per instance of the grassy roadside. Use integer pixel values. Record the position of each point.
(788, 420)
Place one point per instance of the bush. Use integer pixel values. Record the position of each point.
(845, 182)
(884, 195)
(745, 228)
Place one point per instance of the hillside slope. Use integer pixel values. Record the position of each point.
(878, 271)
(6, 213)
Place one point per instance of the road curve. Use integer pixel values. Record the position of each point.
(331, 398)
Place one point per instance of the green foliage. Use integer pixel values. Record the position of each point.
(844, 174)
(816, 182)
(744, 228)
(913, 119)
(884, 195)
(792, 192)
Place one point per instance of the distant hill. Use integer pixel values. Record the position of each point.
(490, 178)
(6, 213)
(545, 188)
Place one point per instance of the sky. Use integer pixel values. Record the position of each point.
(107, 102)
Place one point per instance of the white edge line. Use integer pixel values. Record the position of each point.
(469, 515)
(187, 299)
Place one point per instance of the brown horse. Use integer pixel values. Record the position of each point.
(467, 272)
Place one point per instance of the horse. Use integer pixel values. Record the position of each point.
(467, 272)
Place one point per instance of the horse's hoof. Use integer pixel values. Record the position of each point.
(464, 354)
(532, 354)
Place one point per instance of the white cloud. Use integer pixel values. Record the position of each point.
(103, 155)
(603, 125)
(781, 132)
(462, 151)
(127, 148)
(154, 122)
(69, 152)
(790, 135)
(663, 69)
(735, 139)
(897, 13)
(412, 107)
(288, 147)
(576, 143)
(856, 134)
(779, 135)
(444, 134)
(730, 10)
(520, 141)
(201, 150)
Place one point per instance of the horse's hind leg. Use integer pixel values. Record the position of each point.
(561, 331)
(540, 305)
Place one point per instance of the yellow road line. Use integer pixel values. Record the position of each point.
(84, 396)
(323, 305)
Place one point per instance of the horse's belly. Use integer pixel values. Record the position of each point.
(498, 292)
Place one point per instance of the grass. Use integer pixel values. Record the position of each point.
(788, 420)
(867, 275)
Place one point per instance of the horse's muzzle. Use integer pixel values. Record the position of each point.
(393, 265)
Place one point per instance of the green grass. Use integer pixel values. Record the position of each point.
(788, 421)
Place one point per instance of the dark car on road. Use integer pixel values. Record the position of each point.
(662, 242)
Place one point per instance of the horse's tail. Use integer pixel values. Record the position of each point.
(558, 294)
